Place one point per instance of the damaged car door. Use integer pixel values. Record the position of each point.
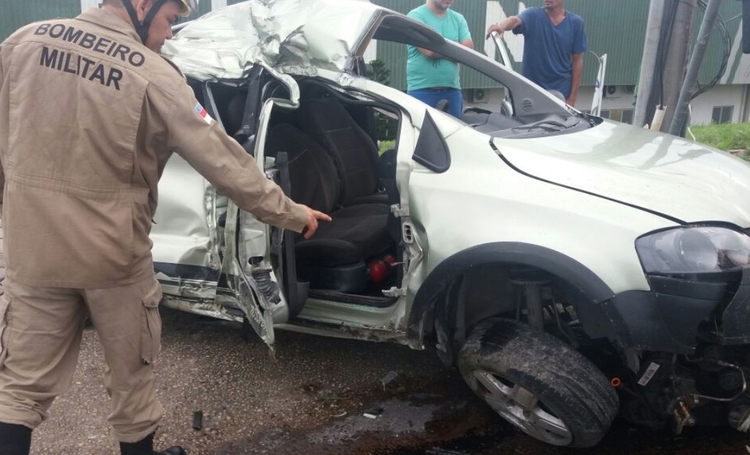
(211, 257)
(260, 271)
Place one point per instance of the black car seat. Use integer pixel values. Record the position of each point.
(334, 258)
(353, 151)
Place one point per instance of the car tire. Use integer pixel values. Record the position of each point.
(538, 383)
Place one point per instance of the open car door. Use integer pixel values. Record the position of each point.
(260, 272)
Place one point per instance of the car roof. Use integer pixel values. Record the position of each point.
(289, 36)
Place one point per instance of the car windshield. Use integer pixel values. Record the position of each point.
(500, 102)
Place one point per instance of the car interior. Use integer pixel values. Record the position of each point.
(334, 166)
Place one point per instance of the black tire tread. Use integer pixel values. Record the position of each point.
(564, 380)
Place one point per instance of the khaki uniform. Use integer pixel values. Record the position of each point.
(88, 120)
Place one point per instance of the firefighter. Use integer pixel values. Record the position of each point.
(89, 116)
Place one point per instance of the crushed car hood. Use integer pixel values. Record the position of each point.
(288, 36)
(654, 171)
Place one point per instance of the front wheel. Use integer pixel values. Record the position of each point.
(538, 383)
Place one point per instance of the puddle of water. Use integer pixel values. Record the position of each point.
(397, 418)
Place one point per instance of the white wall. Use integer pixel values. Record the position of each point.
(721, 95)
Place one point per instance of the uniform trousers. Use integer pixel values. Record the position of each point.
(40, 337)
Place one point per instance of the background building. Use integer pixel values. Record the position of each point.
(614, 27)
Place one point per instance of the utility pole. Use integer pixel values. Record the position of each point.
(648, 62)
(679, 122)
(677, 56)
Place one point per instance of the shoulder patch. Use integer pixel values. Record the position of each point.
(201, 111)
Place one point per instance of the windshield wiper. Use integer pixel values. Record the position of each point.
(547, 125)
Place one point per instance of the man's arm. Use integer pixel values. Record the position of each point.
(580, 46)
(575, 78)
(465, 34)
(508, 23)
(413, 14)
(224, 163)
(429, 54)
(2, 169)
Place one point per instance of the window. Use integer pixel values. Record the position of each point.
(722, 114)
(627, 116)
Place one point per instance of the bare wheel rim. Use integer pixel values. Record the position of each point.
(521, 407)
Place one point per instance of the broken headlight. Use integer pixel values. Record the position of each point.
(693, 249)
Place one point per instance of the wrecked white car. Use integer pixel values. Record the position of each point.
(570, 267)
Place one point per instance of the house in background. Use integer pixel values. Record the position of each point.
(613, 27)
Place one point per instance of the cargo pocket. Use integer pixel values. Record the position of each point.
(4, 332)
(151, 325)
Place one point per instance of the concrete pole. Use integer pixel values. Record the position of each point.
(681, 110)
(648, 61)
(677, 57)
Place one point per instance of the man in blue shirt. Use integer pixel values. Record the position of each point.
(429, 77)
(554, 45)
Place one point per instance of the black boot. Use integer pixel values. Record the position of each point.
(14, 439)
(146, 447)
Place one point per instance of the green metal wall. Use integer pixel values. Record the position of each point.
(14, 14)
(614, 27)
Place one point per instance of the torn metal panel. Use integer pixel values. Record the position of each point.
(285, 36)
(177, 284)
(261, 309)
(345, 331)
(208, 307)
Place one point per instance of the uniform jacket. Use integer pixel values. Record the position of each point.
(88, 118)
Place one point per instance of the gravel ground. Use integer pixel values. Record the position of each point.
(241, 391)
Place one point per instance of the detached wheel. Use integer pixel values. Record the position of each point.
(538, 383)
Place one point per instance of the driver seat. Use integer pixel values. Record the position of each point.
(334, 258)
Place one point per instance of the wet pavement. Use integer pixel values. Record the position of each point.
(312, 399)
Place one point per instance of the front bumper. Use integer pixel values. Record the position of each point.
(680, 311)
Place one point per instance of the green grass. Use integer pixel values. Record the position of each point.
(385, 145)
(727, 136)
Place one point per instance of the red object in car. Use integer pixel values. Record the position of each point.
(379, 269)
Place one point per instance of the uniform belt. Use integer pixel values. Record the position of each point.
(440, 89)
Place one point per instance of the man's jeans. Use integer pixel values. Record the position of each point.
(432, 96)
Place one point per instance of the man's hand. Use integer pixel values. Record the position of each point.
(509, 23)
(495, 28)
(429, 54)
(313, 216)
(571, 101)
